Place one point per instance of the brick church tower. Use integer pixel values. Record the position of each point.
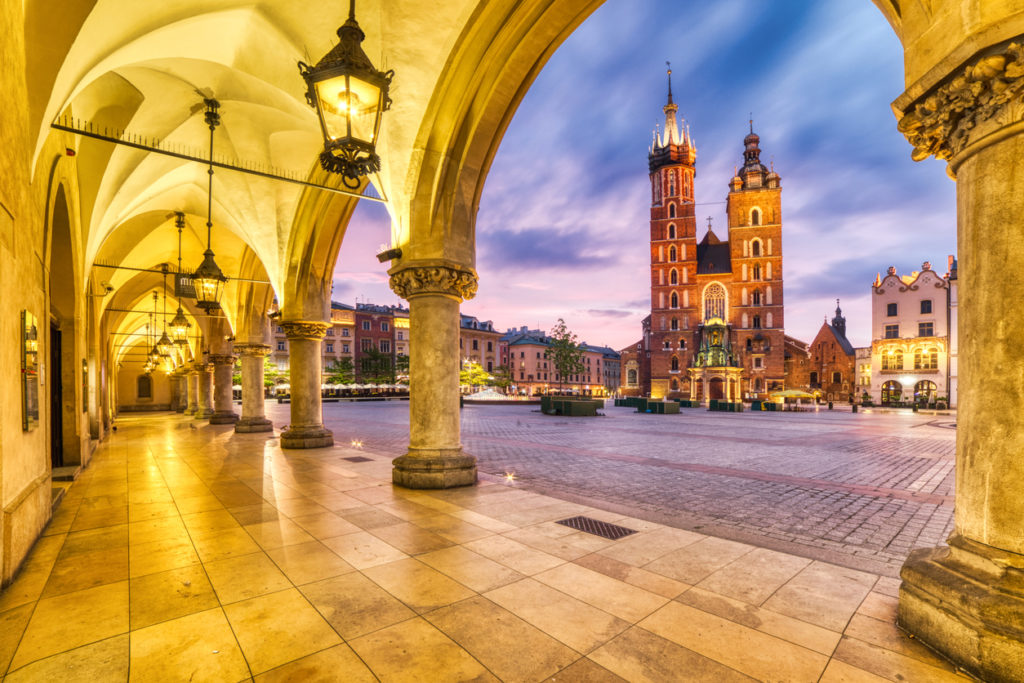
(716, 323)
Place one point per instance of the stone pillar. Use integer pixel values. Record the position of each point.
(204, 381)
(192, 382)
(223, 409)
(307, 428)
(435, 459)
(254, 418)
(967, 600)
(179, 391)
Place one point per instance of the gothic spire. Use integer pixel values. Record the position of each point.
(671, 125)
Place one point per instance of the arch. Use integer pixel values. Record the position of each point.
(672, 209)
(672, 190)
(716, 301)
(892, 392)
(682, 344)
(672, 254)
(674, 384)
(755, 247)
(757, 272)
(674, 364)
(768, 295)
(673, 277)
(671, 231)
(755, 217)
(925, 391)
(756, 322)
(674, 324)
(768, 320)
(743, 323)
(755, 298)
(673, 300)
(744, 298)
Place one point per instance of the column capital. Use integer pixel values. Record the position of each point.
(446, 278)
(983, 97)
(222, 359)
(314, 330)
(253, 349)
(198, 367)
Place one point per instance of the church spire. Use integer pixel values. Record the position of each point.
(670, 109)
(839, 322)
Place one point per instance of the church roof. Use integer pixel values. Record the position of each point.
(713, 255)
(844, 343)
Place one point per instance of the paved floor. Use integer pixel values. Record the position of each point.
(202, 555)
(861, 490)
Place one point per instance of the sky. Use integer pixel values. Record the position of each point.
(563, 226)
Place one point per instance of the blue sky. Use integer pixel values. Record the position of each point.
(563, 227)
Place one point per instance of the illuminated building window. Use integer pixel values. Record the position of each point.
(714, 301)
(675, 364)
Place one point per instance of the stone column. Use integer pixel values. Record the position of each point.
(179, 391)
(435, 459)
(223, 409)
(307, 428)
(204, 381)
(254, 418)
(967, 600)
(192, 379)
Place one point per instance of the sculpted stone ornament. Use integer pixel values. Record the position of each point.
(222, 359)
(988, 95)
(449, 280)
(252, 349)
(305, 329)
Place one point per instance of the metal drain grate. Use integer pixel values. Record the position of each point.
(597, 527)
(357, 458)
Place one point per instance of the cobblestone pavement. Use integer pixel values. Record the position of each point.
(861, 490)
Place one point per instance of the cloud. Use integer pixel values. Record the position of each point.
(540, 248)
(609, 313)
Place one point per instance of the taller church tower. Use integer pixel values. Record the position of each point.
(674, 294)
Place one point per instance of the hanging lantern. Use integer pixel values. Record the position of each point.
(349, 95)
(179, 327)
(208, 278)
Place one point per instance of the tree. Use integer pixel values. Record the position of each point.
(473, 374)
(273, 376)
(564, 352)
(376, 367)
(501, 377)
(341, 371)
(402, 368)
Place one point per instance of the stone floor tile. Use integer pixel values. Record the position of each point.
(300, 506)
(308, 562)
(354, 605)
(841, 672)
(255, 514)
(278, 533)
(224, 544)
(369, 518)
(201, 503)
(647, 546)
(744, 649)
(338, 663)
(755, 576)
(12, 626)
(594, 588)
(325, 525)
(694, 562)
(157, 529)
(100, 518)
(509, 647)
(892, 665)
(640, 656)
(106, 660)
(278, 628)
(886, 635)
(68, 621)
(879, 606)
(585, 670)
(560, 547)
(453, 528)
(363, 550)
(197, 647)
(635, 576)
(410, 538)
(201, 524)
(138, 512)
(103, 538)
(573, 622)
(417, 585)
(515, 555)
(159, 556)
(822, 594)
(416, 646)
(470, 569)
(168, 595)
(336, 501)
(81, 570)
(244, 577)
(483, 521)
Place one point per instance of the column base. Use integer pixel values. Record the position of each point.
(967, 603)
(204, 413)
(225, 418)
(191, 411)
(247, 425)
(434, 469)
(307, 437)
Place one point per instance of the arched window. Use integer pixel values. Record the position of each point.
(755, 248)
(671, 210)
(671, 183)
(672, 231)
(675, 363)
(837, 378)
(631, 377)
(714, 301)
(757, 272)
(144, 387)
(672, 254)
(757, 322)
(814, 379)
(750, 345)
(675, 384)
(891, 392)
(682, 343)
(755, 216)
(673, 277)
(674, 301)
(675, 324)
(755, 300)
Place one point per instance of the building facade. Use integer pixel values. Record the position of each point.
(832, 375)
(716, 328)
(479, 342)
(532, 373)
(913, 348)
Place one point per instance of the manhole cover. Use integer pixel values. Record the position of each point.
(357, 458)
(597, 527)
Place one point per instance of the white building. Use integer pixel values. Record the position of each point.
(913, 330)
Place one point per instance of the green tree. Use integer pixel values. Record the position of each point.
(341, 371)
(376, 367)
(402, 367)
(501, 377)
(236, 373)
(473, 374)
(564, 352)
(273, 376)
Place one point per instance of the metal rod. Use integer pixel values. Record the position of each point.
(158, 270)
(230, 167)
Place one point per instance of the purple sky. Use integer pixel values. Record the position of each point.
(563, 224)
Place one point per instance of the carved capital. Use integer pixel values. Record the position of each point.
(259, 350)
(305, 329)
(986, 96)
(222, 359)
(439, 277)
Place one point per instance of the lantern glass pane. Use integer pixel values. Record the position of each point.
(333, 96)
(365, 103)
(345, 99)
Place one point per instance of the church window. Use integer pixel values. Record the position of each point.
(672, 186)
(631, 377)
(682, 344)
(672, 231)
(674, 300)
(714, 301)
(686, 276)
(686, 184)
(755, 248)
(671, 210)
(673, 277)
(661, 277)
(675, 364)
(757, 363)
(837, 378)
(757, 272)
(757, 322)
(672, 254)
(755, 217)
(675, 324)
(686, 298)
(755, 300)
(661, 254)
